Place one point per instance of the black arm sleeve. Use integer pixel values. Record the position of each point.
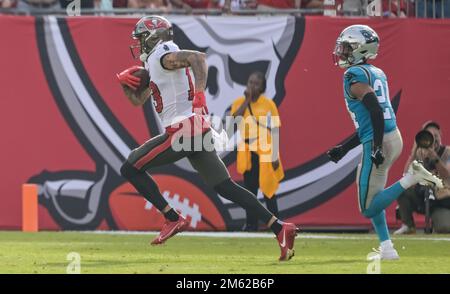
(351, 142)
(376, 115)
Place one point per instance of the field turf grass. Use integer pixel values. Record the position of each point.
(47, 252)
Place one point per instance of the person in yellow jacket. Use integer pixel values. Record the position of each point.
(257, 156)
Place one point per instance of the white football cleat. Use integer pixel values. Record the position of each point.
(385, 253)
(405, 230)
(389, 253)
(423, 176)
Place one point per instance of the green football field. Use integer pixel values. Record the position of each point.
(50, 252)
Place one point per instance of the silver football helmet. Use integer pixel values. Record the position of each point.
(355, 45)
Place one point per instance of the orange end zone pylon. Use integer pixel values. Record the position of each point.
(29, 208)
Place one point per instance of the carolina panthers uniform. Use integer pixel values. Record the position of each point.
(370, 179)
(375, 78)
(355, 46)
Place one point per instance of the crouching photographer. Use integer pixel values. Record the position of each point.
(436, 158)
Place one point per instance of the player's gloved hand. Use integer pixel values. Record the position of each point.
(199, 103)
(336, 153)
(377, 156)
(126, 77)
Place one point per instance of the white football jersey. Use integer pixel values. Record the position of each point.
(172, 90)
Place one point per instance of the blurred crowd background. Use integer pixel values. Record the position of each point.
(381, 8)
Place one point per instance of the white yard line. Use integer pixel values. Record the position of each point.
(266, 235)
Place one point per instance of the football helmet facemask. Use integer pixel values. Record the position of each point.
(355, 45)
(149, 32)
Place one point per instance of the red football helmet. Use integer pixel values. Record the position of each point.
(149, 32)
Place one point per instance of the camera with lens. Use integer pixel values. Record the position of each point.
(425, 139)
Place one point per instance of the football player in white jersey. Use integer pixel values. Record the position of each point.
(179, 100)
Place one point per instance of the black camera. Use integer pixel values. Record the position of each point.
(424, 139)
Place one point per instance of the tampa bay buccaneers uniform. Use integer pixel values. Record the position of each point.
(181, 109)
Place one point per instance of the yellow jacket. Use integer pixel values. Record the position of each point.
(255, 132)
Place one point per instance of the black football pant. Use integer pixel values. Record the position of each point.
(158, 151)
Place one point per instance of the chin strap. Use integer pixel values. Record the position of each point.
(144, 57)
